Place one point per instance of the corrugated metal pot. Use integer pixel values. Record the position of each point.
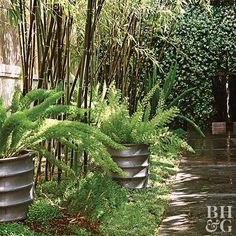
(134, 161)
(16, 186)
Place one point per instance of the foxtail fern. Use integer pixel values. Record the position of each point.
(28, 126)
(142, 126)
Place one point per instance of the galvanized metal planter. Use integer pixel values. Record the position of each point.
(135, 162)
(16, 186)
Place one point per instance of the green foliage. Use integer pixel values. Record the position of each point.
(139, 128)
(203, 44)
(43, 211)
(160, 101)
(16, 100)
(52, 190)
(120, 211)
(3, 112)
(170, 143)
(144, 210)
(169, 81)
(28, 126)
(130, 220)
(96, 195)
(118, 127)
(106, 102)
(76, 231)
(133, 129)
(165, 117)
(13, 229)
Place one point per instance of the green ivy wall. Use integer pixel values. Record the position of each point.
(203, 44)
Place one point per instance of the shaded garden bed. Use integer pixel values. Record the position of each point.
(139, 214)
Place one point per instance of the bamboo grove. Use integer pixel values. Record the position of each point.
(78, 45)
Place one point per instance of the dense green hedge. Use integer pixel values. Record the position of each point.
(203, 44)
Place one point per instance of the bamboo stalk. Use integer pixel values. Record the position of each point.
(45, 54)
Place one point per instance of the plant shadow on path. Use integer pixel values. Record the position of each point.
(204, 179)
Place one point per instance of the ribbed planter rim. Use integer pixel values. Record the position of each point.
(135, 144)
(21, 156)
(131, 145)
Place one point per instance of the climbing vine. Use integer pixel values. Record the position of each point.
(203, 44)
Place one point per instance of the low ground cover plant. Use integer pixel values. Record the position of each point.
(15, 229)
(43, 211)
(95, 196)
(97, 205)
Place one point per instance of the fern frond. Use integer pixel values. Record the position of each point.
(52, 159)
(28, 127)
(114, 96)
(81, 135)
(101, 155)
(17, 96)
(161, 102)
(55, 110)
(118, 126)
(39, 111)
(34, 95)
(3, 112)
(165, 117)
(17, 137)
(12, 123)
(151, 93)
(171, 144)
(137, 117)
(147, 113)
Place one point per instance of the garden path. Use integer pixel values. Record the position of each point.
(204, 190)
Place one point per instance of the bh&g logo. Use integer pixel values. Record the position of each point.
(219, 219)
